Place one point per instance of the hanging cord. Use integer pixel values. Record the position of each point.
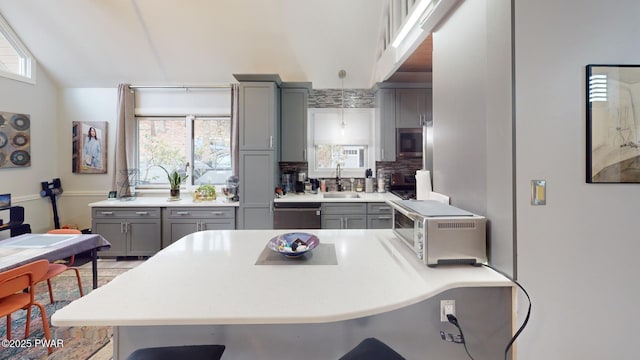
(453, 320)
(526, 319)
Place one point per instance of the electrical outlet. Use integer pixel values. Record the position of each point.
(447, 307)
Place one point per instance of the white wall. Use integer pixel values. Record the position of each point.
(578, 254)
(472, 118)
(39, 101)
(83, 104)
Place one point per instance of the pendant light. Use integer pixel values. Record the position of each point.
(342, 74)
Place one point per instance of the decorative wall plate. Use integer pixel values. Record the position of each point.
(15, 140)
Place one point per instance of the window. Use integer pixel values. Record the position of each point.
(197, 146)
(340, 136)
(15, 60)
(348, 156)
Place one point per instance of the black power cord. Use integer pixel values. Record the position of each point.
(453, 320)
(526, 319)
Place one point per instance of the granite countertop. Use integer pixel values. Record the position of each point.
(220, 274)
(319, 197)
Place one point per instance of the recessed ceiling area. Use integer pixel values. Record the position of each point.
(418, 66)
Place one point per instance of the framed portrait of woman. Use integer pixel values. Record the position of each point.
(89, 147)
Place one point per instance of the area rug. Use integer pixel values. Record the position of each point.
(74, 343)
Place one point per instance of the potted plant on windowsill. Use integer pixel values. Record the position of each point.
(175, 179)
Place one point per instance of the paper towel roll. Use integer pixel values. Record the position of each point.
(423, 184)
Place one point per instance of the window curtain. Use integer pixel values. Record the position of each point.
(235, 133)
(125, 143)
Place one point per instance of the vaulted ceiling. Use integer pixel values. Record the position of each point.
(100, 43)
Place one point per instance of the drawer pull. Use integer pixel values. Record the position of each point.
(142, 213)
(182, 213)
(384, 217)
(106, 212)
(216, 213)
(384, 208)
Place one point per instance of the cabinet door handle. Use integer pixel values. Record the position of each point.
(304, 154)
(182, 213)
(271, 142)
(142, 213)
(197, 226)
(382, 153)
(106, 212)
(122, 227)
(203, 226)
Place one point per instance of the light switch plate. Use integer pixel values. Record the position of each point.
(538, 192)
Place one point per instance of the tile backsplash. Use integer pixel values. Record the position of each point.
(332, 98)
(404, 167)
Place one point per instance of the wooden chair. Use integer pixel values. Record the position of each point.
(13, 282)
(56, 269)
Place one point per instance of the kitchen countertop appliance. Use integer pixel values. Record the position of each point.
(440, 234)
(403, 186)
(296, 215)
(300, 182)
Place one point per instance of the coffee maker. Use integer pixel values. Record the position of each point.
(301, 179)
(288, 179)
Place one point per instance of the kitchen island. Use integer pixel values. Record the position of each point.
(215, 287)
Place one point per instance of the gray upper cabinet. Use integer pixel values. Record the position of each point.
(386, 99)
(259, 118)
(259, 115)
(293, 125)
(400, 108)
(411, 108)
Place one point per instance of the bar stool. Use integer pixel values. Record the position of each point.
(191, 352)
(372, 349)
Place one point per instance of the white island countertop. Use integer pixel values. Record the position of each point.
(211, 277)
(159, 201)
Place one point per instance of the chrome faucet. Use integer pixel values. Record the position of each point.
(338, 179)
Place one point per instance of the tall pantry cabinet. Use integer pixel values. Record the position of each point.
(259, 136)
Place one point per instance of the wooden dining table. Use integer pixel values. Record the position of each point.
(26, 248)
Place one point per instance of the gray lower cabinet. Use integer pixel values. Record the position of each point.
(356, 216)
(182, 221)
(131, 231)
(344, 221)
(257, 184)
(379, 216)
(343, 216)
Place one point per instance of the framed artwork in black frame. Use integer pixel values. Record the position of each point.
(613, 123)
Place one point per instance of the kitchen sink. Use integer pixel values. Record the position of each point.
(346, 195)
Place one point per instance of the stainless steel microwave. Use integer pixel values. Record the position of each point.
(440, 234)
(409, 143)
